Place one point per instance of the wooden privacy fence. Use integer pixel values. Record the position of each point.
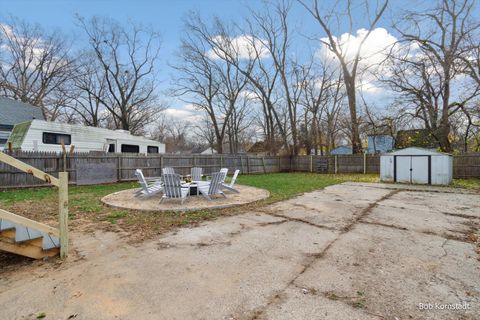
(87, 168)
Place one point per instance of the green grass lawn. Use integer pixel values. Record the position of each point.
(86, 208)
(287, 185)
(471, 184)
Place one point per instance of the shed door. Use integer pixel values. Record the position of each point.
(403, 172)
(420, 169)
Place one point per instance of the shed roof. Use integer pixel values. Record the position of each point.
(13, 112)
(416, 151)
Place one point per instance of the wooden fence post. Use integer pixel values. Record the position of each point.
(364, 163)
(63, 213)
(279, 164)
(119, 168)
(248, 166)
(336, 164)
(263, 163)
(311, 163)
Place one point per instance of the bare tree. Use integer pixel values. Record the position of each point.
(425, 64)
(247, 59)
(272, 32)
(328, 20)
(198, 83)
(320, 87)
(35, 66)
(127, 55)
(87, 91)
(174, 133)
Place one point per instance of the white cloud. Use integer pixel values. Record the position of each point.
(372, 54)
(244, 47)
(190, 107)
(185, 113)
(248, 94)
(37, 49)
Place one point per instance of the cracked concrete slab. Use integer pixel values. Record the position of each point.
(350, 251)
(393, 271)
(334, 207)
(301, 303)
(235, 273)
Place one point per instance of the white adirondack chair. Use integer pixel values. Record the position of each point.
(196, 174)
(232, 183)
(222, 170)
(225, 171)
(172, 188)
(146, 189)
(168, 170)
(213, 186)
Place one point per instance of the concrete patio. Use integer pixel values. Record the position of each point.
(350, 251)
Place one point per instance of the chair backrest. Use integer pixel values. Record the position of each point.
(234, 178)
(196, 174)
(168, 170)
(141, 179)
(216, 182)
(172, 186)
(224, 170)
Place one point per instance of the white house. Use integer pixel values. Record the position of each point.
(38, 135)
(417, 165)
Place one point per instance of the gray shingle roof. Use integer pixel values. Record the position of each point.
(13, 112)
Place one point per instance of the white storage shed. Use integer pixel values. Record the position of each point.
(416, 165)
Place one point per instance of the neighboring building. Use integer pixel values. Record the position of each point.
(380, 143)
(421, 138)
(38, 135)
(13, 112)
(258, 148)
(341, 150)
(203, 150)
(209, 150)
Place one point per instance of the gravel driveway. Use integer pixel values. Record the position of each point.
(350, 251)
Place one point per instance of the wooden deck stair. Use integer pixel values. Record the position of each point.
(30, 238)
(26, 237)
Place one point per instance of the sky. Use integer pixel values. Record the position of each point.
(166, 17)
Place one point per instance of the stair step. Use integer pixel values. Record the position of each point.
(30, 242)
(50, 242)
(24, 233)
(5, 224)
(27, 249)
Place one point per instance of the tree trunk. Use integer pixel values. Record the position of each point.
(352, 105)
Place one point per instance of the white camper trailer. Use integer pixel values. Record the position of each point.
(38, 135)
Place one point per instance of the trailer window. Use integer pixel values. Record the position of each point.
(56, 138)
(130, 148)
(152, 149)
(111, 147)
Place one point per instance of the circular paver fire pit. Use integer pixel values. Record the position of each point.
(126, 200)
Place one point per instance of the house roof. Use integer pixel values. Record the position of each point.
(13, 112)
(258, 146)
(341, 150)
